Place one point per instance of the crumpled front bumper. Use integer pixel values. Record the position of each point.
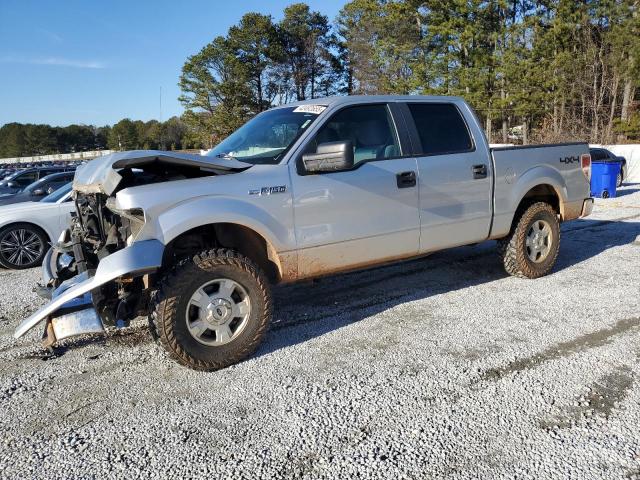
(141, 257)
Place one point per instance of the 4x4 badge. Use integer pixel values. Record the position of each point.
(569, 159)
(268, 190)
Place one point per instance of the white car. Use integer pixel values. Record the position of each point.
(27, 229)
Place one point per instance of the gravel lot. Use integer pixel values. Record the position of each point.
(441, 367)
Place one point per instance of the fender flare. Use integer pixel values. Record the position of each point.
(211, 210)
(540, 175)
(506, 207)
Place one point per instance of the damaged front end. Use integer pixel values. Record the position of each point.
(67, 314)
(99, 274)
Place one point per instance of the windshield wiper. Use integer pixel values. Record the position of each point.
(225, 155)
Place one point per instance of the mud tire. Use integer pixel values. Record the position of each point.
(513, 249)
(169, 304)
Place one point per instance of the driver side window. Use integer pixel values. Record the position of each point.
(369, 128)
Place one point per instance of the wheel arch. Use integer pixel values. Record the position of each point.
(237, 236)
(543, 192)
(230, 223)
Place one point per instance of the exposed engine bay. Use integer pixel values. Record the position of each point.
(99, 229)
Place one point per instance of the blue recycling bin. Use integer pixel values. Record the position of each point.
(604, 176)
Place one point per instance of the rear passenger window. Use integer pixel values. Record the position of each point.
(441, 128)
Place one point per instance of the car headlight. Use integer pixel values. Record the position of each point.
(133, 219)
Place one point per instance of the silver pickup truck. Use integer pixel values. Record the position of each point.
(300, 191)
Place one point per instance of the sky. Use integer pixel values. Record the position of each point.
(96, 62)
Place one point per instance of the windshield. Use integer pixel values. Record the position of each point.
(35, 185)
(267, 137)
(10, 177)
(58, 194)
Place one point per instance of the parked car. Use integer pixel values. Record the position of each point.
(27, 229)
(300, 191)
(17, 181)
(5, 172)
(39, 189)
(604, 155)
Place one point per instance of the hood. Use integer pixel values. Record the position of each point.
(26, 206)
(101, 176)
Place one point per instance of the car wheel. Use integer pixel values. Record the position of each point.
(530, 251)
(619, 180)
(22, 245)
(212, 310)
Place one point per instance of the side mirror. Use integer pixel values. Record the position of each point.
(38, 192)
(12, 184)
(329, 157)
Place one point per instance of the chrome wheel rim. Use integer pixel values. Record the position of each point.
(218, 312)
(539, 241)
(21, 247)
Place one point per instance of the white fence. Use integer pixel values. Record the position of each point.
(632, 154)
(58, 157)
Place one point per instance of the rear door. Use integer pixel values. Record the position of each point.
(364, 215)
(454, 176)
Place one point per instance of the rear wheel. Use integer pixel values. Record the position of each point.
(619, 180)
(531, 250)
(22, 245)
(212, 310)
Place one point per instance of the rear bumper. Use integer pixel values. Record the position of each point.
(587, 207)
(139, 258)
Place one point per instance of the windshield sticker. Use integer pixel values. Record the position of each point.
(315, 109)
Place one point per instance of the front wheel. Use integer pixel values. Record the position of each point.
(531, 249)
(619, 180)
(22, 245)
(213, 310)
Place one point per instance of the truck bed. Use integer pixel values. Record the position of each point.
(518, 169)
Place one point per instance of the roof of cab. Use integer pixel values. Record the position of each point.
(350, 99)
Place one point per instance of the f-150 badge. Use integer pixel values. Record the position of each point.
(268, 190)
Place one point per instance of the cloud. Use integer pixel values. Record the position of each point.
(56, 61)
(52, 36)
(66, 62)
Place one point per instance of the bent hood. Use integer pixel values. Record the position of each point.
(101, 176)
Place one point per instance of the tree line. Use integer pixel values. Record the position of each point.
(551, 70)
(21, 140)
(535, 71)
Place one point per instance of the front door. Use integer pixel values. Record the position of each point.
(365, 215)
